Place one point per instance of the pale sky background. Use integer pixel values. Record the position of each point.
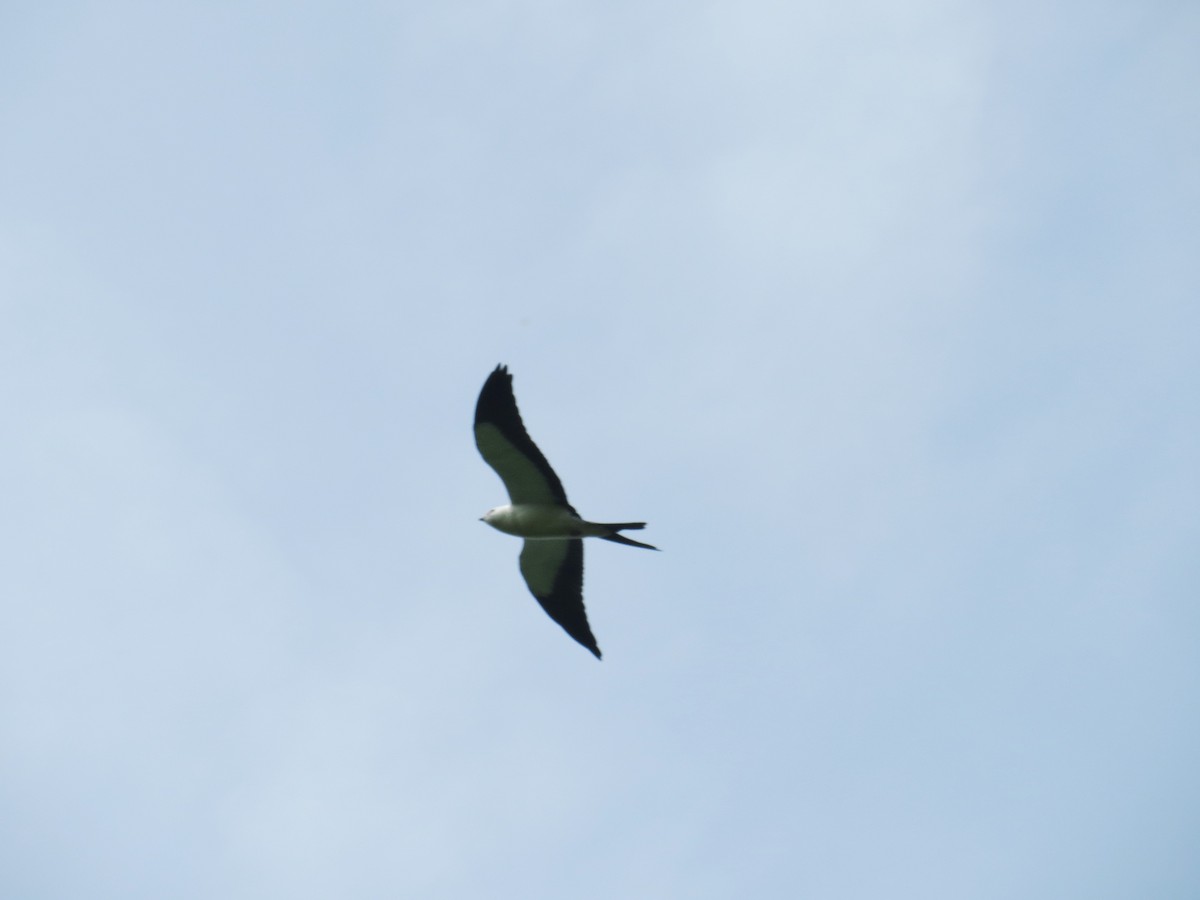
(884, 316)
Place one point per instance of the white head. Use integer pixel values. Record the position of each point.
(499, 517)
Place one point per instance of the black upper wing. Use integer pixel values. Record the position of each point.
(506, 446)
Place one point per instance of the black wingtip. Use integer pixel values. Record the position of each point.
(579, 629)
(585, 639)
(498, 376)
(496, 402)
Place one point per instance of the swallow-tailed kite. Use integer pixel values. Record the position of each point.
(552, 558)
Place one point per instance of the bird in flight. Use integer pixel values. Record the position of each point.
(552, 558)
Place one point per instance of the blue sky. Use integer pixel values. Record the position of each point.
(883, 317)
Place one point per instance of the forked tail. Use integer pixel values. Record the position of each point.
(614, 527)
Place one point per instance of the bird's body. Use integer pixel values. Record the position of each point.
(546, 522)
(552, 556)
(539, 522)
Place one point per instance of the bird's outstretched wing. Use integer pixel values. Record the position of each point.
(506, 446)
(554, 572)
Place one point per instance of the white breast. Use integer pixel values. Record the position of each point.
(535, 521)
